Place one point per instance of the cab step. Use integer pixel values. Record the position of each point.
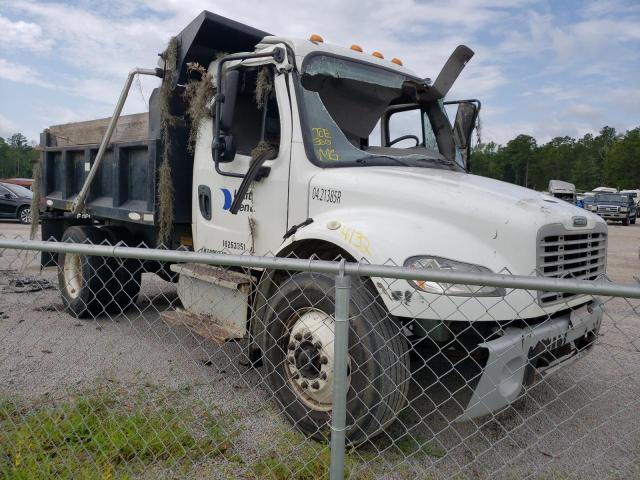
(215, 301)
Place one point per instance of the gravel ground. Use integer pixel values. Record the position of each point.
(582, 421)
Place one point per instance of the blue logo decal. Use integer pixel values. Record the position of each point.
(228, 198)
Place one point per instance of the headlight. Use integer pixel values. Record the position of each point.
(624, 209)
(591, 207)
(444, 264)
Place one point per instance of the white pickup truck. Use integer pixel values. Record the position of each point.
(359, 160)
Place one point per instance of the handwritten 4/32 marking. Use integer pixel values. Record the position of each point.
(356, 239)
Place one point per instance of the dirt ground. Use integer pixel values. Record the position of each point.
(583, 421)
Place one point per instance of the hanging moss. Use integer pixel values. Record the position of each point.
(264, 86)
(198, 95)
(167, 121)
(261, 148)
(35, 199)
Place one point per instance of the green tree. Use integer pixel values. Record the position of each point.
(16, 156)
(622, 161)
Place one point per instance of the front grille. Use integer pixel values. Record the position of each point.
(570, 254)
(608, 209)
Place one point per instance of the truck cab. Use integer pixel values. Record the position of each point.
(320, 151)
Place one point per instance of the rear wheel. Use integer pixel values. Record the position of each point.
(128, 273)
(298, 355)
(24, 215)
(633, 219)
(91, 285)
(85, 281)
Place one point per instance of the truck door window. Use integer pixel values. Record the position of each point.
(255, 119)
(412, 122)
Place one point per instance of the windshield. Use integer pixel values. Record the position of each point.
(18, 190)
(612, 197)
(353, 112)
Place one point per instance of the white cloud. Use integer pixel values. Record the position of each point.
(23, 35)
(7, 127)
(15, 72)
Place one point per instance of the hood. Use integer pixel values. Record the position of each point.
(443, 194)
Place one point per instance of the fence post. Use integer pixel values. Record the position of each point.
(340, 356)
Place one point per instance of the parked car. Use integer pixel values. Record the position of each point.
(23, 182)
(635, 194)
(15, 202)
(615, 206)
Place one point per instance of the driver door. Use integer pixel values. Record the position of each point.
(261, 222)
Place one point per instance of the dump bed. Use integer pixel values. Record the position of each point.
(126, 182)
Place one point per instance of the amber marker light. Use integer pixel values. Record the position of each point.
(377, 54)
(397, 61)
(315, 38)
(357, 48)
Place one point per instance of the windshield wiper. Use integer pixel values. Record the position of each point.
(439, 161)
(365, 160)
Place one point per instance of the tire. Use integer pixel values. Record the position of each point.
(24, 215)
(300, 314)
(86, 282)
(633, 220)
(128, 273)
(625, 222)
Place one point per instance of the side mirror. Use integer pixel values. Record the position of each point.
(464, 124)
(229, 94)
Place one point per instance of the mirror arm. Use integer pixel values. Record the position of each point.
(217, 145)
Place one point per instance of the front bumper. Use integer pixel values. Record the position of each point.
(515, 357)
(614, 216)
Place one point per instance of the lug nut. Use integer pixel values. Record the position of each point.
(318, 344)
(323, 375)
(296, 376)
(298, 336)
(304, 384)
(307, 335)
(315, 385)
(291, 359)
(324, 360)
(292, 346)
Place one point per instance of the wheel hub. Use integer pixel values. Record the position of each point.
(309, 362)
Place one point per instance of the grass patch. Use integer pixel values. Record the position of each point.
(102, 436)
(412, 446)
(297, 457)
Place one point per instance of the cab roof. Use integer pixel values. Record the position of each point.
(302, 47)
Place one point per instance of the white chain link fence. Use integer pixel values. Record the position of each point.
(242, 369)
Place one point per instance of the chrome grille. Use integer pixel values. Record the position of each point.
(570, 254)
(608, 209)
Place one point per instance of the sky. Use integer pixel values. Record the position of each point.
(542, 68)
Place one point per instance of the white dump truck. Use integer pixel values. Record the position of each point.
(317, 150)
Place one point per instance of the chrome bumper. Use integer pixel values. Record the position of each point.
(515, 357)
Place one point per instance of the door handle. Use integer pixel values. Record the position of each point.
(204, 201)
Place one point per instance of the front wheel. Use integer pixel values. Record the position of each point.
(24, 215)
(298, 356)
(625, 222)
